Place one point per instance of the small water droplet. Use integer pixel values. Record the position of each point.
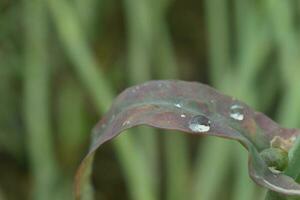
(293, 138)
(135, 89)
(274, 170)
(178, 105)
(236, 112)
(127, 122)
(212, 101)
(199, 123)
(183, 115)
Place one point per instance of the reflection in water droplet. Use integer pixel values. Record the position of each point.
(127, 122)
(274, 170)
(178, 105)
(236, 112)
(199, 123)
(293, 138)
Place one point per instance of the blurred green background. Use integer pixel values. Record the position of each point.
(63, 61)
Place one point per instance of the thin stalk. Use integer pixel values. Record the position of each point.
(243, 187)
(133, 161)
(242, 17)
(254, 48)
(87, 10)
(261, 193)
(281, 16)
(177, 166)
(211, 168)
(249, 60)
(77, 48)
(218, 38)
(206, 178)
(274, 196)
(71, 122)
(140, 36)
(36, 102)
(289, 110)
(175, 144)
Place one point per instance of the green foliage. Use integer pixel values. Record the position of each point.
(85, 51)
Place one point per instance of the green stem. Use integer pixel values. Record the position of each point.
(36, 102)
(140, 37)
(219, 44)
(175, 144)
(243, 187)
(274, 196)
(71, 122)
(133, 161)
(207, 177)
(177, 166)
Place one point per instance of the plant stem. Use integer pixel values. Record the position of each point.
(218, 31)
(208, 178)
(175, 144)
(140, 37)
(71, 122)
(274, 196)
(133, 161)
(36, 98)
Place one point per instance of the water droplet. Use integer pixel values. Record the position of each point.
(178, 105)
(199, 123)
(236, 112)
(274, 170)
(127, 122)
(212, 101)
(183, 115)
(293, 138)
(135, 89)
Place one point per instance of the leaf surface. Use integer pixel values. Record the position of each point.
(196, 109)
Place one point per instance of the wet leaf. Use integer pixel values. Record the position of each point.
(196, 109)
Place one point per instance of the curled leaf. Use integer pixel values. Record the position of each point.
(197, 109)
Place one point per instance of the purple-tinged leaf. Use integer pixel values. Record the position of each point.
(197, 109)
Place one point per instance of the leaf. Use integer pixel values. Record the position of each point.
(196, 109)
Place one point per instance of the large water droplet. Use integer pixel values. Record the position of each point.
(199, 123)
(237, 112)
